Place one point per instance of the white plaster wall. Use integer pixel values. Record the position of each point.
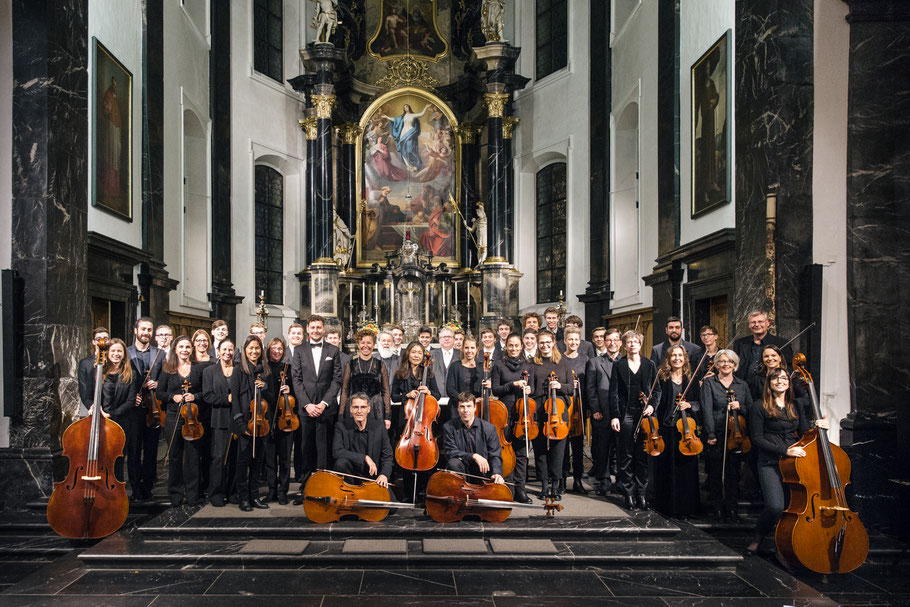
(554, 127)
(635, 81)
(264, 130)
(829, 192)
(118, 26)
(702, 23)
(6, 166)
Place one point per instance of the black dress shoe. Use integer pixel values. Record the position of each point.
(234, 499)
(282, 499)
(245, 506)
(628, 503)
(600, 489)
(217, 501)
(298, 500)
(643, 503)
(271, 497)
(522, 498)
(545, 493)
(561, 486)
(578, 487)
(259, 504)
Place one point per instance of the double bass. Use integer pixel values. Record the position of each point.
(417, 449)
(495, 411)
(90, 503)
(286, 410)
(556, 425)
(327, 497)
(451, 497)
(818, 529)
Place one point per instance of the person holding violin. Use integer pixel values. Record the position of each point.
(775, 426)
(250, 375)
(464, 375)
(630, 377)
(470, 445)
(577, 363)
(509, 386)
(718, 404)
(708, 335)
(773, 358)
(216, 392)
(675, 473)
(147, 360)
(597, 393)
(118, 402)
(368, 375)
(180, 384)
(549, 452)
(203, 357)
(361, 443)
(277, 460)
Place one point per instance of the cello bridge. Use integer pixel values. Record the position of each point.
(91, 478)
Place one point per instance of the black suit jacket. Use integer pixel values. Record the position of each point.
(310, 387)
(378, 446)
(488, 447)
(660, 350)
(215, 391)
(86, 375)
(620, 396)
(597, 384)
(118, 399)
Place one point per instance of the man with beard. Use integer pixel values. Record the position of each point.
(674, 332)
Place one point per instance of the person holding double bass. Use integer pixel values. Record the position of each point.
(118, 402)
(549, 452)
(471, 445)
(716, 399)
(361, 443)
(509, 386)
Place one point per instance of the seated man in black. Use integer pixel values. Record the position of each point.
(361, 445)
(470, 444)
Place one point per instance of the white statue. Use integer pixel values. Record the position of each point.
(326, 20)
(493, 15)
(479, 230)
(342, 242)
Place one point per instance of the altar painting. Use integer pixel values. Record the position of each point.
(407, 28)
(408, 158)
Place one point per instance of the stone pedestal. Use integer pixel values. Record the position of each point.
(321, 282)
(499, 289)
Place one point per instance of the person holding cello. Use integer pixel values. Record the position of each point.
(630, 377)
(509, 386)
(216, 391)
(775, 426)
(470, 445)
(361, 443)
(278, 443)
(549, 452)
(245, 380)
(675, 473)
(180, 383)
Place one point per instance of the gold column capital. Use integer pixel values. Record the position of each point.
(308, 125)
(349, 133)
(468, 132)
(324, 105)
(496, 104)
(508, 124)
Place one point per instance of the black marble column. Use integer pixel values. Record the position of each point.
(667, 127)
(469, 195)
(497, 247)
(508, 191)
(774, 120)
(309, 128)
(347, 181)
(323, 205)
(49, 233)
(878, 260)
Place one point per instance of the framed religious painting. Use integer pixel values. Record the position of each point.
(407, 159)
(407, 28)
(711, 136)
(112, 151)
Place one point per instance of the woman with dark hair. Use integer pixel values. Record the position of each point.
(775, 426)
(183, 456)
(216, 391)
(366, 373)
(509, 386)
(277, 460)
(204, 359)
(252, 374)
(118, 401)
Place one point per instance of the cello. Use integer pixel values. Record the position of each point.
(90, 503)
(287, 404)
(451, 497)
(327, 497)
(258, 424)
(556, 425)
(191, 429)
(818, 529)
(417, 449)
(496, 412)
(154, 414)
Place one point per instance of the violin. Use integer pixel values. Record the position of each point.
(654, 442)
(191, 429)
(818, 530)
(576, 414)
(259, 423)
(689, 443)
(737, 441)
(90, 502)
(287, 405)
(496, 412)
(526, 424)
(451, 497)
(417, 449)
(556, 425)
(327, 497)
(154, 414)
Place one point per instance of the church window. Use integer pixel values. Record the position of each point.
(268, 38)
(551, 232)
(552, 37)
(269, 233)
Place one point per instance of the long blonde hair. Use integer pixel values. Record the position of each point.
(126, 369)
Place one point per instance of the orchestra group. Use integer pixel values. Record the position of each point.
(328, 410)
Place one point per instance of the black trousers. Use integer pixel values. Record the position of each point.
(248, 466)
(548, 457)
(316, 443)
(350, 466)
(297, 449)
(205, 456)
(575, 455)
(775, 495)
(603, 448)
(519, 476)
(132, 450)
(223, 464)
(728, 495)
(183, 463)
(149, 438)
(456, 464)
(632, 475)
(278, 461)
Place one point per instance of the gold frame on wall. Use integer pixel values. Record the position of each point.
(409, 52)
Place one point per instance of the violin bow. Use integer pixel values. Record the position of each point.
(483, 478)
(795, 337)
(360, 478)
(723, 468)
(682, 396)
(170, 443)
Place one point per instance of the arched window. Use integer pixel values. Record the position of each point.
(269, 233)
(551, 232)
(268, 38)
(551, 37)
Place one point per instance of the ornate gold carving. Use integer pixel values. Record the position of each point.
(407, 72)
(349, 133)
(508, 124)
(324, 105)
(468, 132)
(308, 125)
(496, 104)
(771, 257)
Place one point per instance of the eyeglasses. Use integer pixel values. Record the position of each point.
(724, 362)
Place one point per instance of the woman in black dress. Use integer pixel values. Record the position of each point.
(183, 455)
(216, 391)
(366, 373)
(118, 402)
(464, 375)
(509, 386)
(203, 358)
(278, 443)
(549, 453)
(675, 474)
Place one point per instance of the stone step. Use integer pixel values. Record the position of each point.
(30, 546)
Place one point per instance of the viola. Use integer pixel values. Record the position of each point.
(154, 414)
(286, 411)
(576, 413)
(90, 502)
(689, 443)
(451, 497)
(259, 423)
(737, 440)
(556, 425)
(417, 449)
(327, 497)
(654, 442)
(526, 424)
(191, 429)
(496, 412)
(819, 530)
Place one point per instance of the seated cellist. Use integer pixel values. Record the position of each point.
(361, 444)
(470, 444)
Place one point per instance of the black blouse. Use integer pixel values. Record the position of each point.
(714, 403)
(773, 435)
(401, 387)
(461, 378)
(119, 398)
(171, 384)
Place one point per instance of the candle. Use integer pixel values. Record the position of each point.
(455, 287)
(363, 295)
(771, 212)
(376, 299)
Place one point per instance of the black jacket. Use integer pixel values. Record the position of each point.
(714, 403)
(771, 436)
(171, 384)
(86, 376)
(620, 397)
(378, 447)
(743, 348)
(488, 447)
(597, 384)
(310, 388)
(460, 379)
(215, 391)
(243, 389)
(118, 399)
(401, 387)
(666, 411)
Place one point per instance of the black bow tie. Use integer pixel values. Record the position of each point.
(319, 345)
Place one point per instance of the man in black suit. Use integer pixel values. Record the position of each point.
(361, 444)
(749, 348)
(443, 357)
(597, 392)
(469, 444)
(146, 357)
(674, 332)
(316, 376)
(86, 371)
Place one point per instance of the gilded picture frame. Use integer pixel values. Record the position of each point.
(407, 29)
(112, 134)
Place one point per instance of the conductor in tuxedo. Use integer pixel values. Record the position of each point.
(470, 444)
(316, 375)
(361, 445)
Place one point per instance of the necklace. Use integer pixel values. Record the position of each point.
(360, 365)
